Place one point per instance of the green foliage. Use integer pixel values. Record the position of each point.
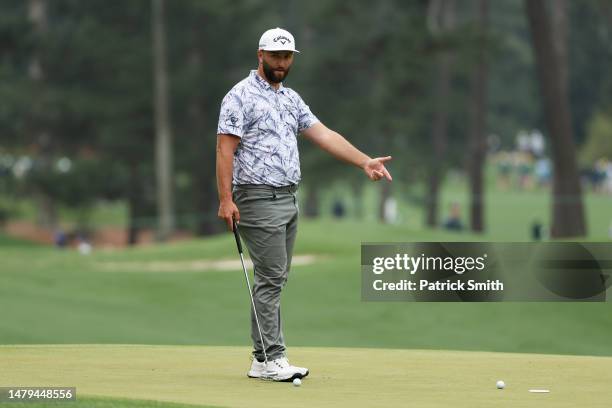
(590, 58)
(513, 95)
(87, 181)
(599, 140)
(366, 69)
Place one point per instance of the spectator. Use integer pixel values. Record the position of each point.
(608, 178)
(60, 239)
(537, 143)
(390, 210)
(524, 171)
(504, 171)
(536, 230)
(523, 142)
(543, 171)
(453, 222)
(338, 209)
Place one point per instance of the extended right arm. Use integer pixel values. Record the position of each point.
(226, 146)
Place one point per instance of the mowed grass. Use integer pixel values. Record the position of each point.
(340, 377)
(383, 354)
(51, 296)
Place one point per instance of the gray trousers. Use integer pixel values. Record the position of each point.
(268, 225)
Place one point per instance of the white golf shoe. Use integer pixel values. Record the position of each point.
(281, 370)
(257, 369)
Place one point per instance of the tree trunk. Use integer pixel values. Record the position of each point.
(205, 194)
(358, 198)
(134, 204)
(206, 199)
(45, 205)
(560, 32)
(568, 214)
(311, 209)
(478, 119)
(163, 134)
(432, 200)
(442, 89)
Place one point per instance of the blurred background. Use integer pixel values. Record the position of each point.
(498, 115)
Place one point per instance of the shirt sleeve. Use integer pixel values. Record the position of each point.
(305, 117)
(231, 117)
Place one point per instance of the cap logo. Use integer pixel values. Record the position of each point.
(283, 40)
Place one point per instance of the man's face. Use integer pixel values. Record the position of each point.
(276, 64)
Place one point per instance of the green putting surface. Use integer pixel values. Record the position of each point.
(216, 376)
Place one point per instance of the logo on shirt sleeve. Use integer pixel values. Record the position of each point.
(231, 120)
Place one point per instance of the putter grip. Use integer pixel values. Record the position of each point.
(237, 236)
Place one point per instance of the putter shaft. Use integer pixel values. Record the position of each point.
(246, 276)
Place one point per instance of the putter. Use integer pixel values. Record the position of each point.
(246, 276)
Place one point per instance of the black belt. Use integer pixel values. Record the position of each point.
(291, 188)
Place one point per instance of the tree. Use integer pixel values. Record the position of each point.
(163, 134)
(39, 130)
(478, 120)
(590, 56)
(441, 16)
(200, 78)
(568, 214)
(103, 70)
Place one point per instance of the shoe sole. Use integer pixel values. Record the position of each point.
(294, 376)
(290, 379)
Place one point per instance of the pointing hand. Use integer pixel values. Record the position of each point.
(375, 168)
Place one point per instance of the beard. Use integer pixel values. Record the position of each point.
(272, 75)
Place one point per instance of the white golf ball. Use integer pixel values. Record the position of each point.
(297, 382)
(500, 385)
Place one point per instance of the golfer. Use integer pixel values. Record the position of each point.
(258, 172)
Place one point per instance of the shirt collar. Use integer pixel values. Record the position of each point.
(265, 84)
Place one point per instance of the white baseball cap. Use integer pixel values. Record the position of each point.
(277, 39)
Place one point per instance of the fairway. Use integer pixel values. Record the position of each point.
(61, 297)
(215, 376)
